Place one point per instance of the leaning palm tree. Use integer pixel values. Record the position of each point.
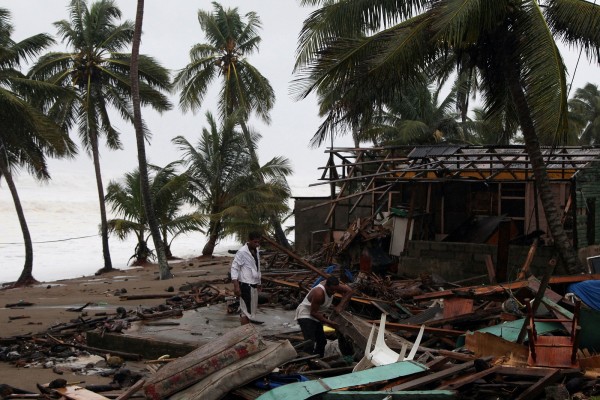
(244, 90)
(170, 196)
(511, 44)
(584, 108)
(163, 266)
(98, 72)
(27, 135)
(230, 191)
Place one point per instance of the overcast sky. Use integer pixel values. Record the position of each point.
(170, 29)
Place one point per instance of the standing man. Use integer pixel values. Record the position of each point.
(245, 274)
(310, 317)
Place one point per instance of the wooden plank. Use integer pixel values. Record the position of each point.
(538, 387)
(416, 328)
(150, 349)
(482, 344)
(132, 390)
(465, 380)
(491, 270)
(296, 257)
(431, 378)
(534, 284)
(474, 316)
(387, 309)
(305, 390)
(78, 393)
(527, 264)
(494, 289)
(379, 395)
(455, 306)
(147, 296)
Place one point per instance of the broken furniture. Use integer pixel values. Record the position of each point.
(382, 354)
(553, 351)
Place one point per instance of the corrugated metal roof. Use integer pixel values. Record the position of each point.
(440, 162)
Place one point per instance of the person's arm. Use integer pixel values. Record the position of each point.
(235, 274)
(317, 299)
(346, 292)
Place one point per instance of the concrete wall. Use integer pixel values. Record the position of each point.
(310, 225)
(457, 261)
(588, 189)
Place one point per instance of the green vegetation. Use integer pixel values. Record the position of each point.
(354, 47)
(378, 68)
(231, 191)
(170, 195)
(97, 71)
(27, 135)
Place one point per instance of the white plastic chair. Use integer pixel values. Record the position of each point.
(382, 354)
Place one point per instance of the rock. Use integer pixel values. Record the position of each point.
(114, 361)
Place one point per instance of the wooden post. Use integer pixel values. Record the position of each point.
(527, 264)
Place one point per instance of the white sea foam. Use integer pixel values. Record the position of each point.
(63, 219)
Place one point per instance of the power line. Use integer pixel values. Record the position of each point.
(58, 240)
(576, 65)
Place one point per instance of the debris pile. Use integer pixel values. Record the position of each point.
(416, 338)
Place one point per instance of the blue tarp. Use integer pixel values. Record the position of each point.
(331, 269)
(587, 291)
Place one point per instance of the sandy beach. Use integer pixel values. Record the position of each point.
(52, 299)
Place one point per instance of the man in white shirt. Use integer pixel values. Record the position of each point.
(245, 274)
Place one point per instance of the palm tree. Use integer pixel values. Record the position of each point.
(27, 135)
(100, 76)
(161, 251)
(244, 90)
(126, 201)
(494, 129)
(418, 117)
(234, 196)
(584, 109)
(169, 193)
(509, 43)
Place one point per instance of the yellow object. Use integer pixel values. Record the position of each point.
(328, 329)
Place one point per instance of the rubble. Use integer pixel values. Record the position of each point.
(452, 340)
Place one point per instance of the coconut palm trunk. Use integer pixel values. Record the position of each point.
(210, 245)
(103, 217)
(163, 266)
(542, 182)
(26, 277)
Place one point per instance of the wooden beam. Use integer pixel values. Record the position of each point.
(477, 291)
(296, 257)
(431, 378)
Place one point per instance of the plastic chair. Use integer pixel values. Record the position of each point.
(382, 354)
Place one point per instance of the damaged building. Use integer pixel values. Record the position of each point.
(451, 209)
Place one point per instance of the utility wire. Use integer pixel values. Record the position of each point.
(576, 65)
(58, 240)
